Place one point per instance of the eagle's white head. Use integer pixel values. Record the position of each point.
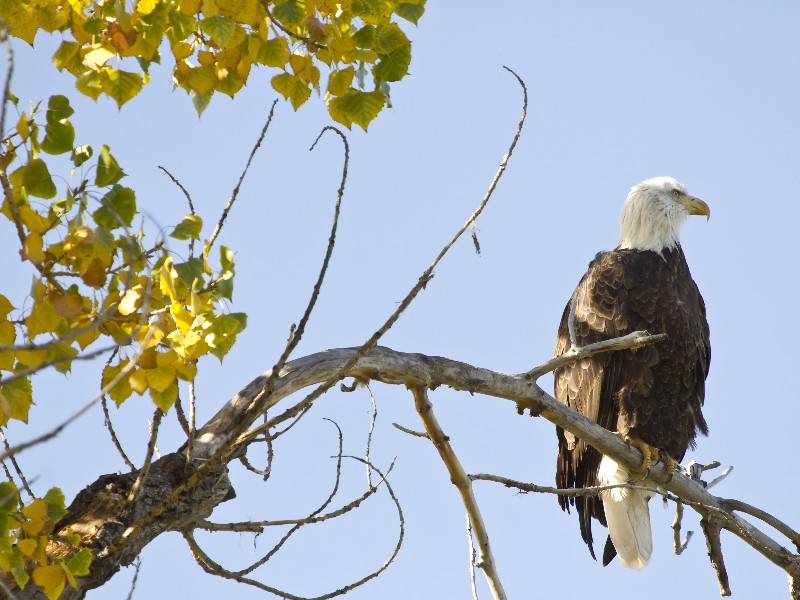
(654, 212)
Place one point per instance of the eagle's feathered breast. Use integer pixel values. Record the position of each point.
(654, 393)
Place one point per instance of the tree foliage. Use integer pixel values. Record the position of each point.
(100, 283)
(110, 47)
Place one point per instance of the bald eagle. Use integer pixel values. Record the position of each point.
(652, 396)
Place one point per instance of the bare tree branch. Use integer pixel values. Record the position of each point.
(235, 192)
(459, 478)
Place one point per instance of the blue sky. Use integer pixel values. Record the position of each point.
(706, 92)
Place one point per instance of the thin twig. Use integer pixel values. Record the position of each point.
(235, 192)
(110, 427)
(60, 359)
(214, 568)
(137, 564)
(182, 421)
(16, 466)
(415, 290)
(258, 526)
(59, 428)
(369, 435)
(679, 545)
(297, 527)
(12, 205)
(632, 341)
(420, 434)
(192, 424)
(188, 199)
(463, 483)
(151, 445)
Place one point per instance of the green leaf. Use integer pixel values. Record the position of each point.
(88, 84)
(225, 259)
(339, 81)
(35, 178)
(389, 38)
(291, 88)
(58, 109)
(222, 333)
(165, 399)
(190, 270)
(290, 13)
(8, 497)
(80, 155)
(120, 85)
(79, 564)
(18, 397)
(108, 169)
(118, 209)
(190, 227)
(274, 53)
(56, 504)
(68, 57)
(410, 12)
(366, 37)
(222, 30)
(201, 101)
(58, 138)
(356, 107)
(393, 66)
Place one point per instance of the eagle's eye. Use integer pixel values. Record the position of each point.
(675, 194)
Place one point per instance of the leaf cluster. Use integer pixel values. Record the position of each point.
(26, 547)
(96, 280)
(216, 43)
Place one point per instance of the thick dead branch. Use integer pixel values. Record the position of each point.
(191, 495)
(459, 479)
(388, 366)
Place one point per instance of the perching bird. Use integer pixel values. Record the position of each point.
(651, 396)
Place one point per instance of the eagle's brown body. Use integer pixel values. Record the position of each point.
(654, 393)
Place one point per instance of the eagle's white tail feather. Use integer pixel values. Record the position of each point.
(627, 515)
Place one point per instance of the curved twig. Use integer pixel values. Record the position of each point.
(301, 523)
(404, 304)
(235, 192)
(110, 427)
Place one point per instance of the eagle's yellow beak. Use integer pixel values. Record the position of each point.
(695, 206)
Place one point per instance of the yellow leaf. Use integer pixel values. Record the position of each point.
(22, 127)
(160, 378)
(138, 381)
(166, 359)
(181, 50)
(35, 510)
(131, 301)
(51, 579)
(145, 7)
(186, 371)
(183, 318)
(32, 250)
(27, 547)
(166, 398)
(43, 318)
(96, 58)
(190, 7)
(7, 333)
(339, 81)
(33, 220)
(5, 306)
